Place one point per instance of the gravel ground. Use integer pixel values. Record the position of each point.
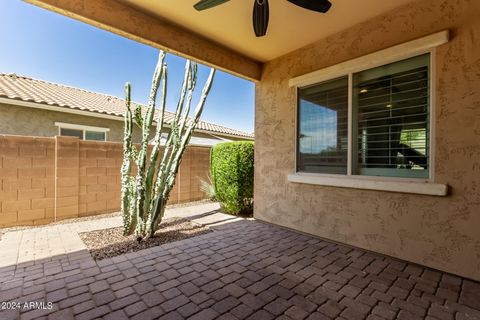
(95, 217)
(109, 243)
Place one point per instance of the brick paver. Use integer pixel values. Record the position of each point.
(244, 270)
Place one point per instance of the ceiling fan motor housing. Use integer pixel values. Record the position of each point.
(261, 10)
(260, 17)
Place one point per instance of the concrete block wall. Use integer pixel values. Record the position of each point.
(27, 174)
(195, 166)
(48, 179)
(99, 172)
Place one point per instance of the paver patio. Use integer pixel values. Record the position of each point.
(243, 270)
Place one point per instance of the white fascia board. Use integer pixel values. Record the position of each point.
(389, 55)
(81, 127)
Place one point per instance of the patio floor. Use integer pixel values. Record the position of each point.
(244, 270)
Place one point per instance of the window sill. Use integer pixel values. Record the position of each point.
(370, 183)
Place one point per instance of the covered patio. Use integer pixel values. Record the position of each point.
(367, 162)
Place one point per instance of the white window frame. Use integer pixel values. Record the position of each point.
(83, 128)
(348, 68)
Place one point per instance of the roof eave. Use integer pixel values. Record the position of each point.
(71, 110)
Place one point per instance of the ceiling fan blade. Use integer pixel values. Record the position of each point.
(260, 17)
(314, 5)
(207, 4)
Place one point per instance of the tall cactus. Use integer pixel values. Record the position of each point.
(145, 193)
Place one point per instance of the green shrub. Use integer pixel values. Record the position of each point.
(232, 175)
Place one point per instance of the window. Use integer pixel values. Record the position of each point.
(323, 127)
(82, 132)
(388, 126)
(71, 133)
(94, 135)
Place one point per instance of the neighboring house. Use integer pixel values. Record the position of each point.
(34, 107)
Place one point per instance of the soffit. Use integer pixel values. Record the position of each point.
(290, 27)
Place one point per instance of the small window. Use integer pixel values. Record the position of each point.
(93, 135)
(389, 125)
(82, 132)
(71, 133)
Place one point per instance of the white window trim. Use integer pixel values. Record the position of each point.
(403, 185)
(83, 128)
(393, 54)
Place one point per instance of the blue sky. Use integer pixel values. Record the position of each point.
(48, 46)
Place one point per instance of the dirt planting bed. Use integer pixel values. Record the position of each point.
(107, 243)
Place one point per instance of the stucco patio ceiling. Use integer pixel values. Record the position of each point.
(290, 27)
(222, 36)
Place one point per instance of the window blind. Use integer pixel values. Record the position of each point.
(323, 127)
(391, 116)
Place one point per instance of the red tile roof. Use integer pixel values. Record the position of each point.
(23, 88)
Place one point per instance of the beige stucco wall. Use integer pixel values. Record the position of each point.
(441, 232)
(24, 121)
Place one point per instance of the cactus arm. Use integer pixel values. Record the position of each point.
(191, 126)
(173, 169)
(174, 134)
(158, 76)
(161, 114)
(142, 198)
(156, 149)
(192, 84)
(185, 85)
(126, 167)
(158, 134)
(181, 121)
(171, 135)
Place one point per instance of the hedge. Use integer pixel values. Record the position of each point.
(232, 176)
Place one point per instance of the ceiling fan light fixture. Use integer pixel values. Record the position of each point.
(260, 17)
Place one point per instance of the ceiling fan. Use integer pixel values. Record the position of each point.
(261, 10)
